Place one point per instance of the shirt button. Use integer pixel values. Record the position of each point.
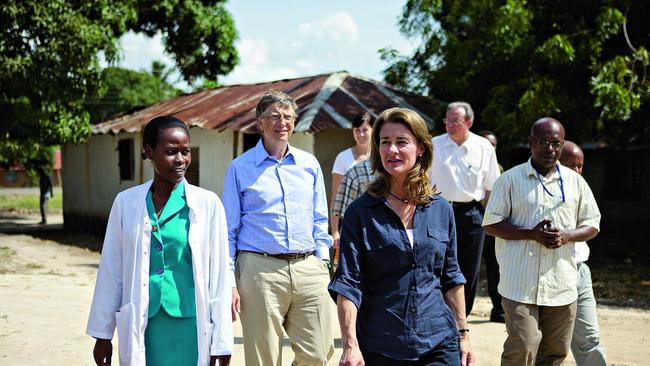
(160, 270)
(413, 310)
(412, 287)
(412, 265)
(159, 247)
(154, 228)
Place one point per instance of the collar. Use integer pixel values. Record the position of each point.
(530, 170)
(449, 142)
(261, 154)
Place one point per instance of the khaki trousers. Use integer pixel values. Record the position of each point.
(285, 295)
(537, 335)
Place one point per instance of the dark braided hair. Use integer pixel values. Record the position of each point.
(153, 129)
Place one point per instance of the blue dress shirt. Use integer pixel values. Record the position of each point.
(398, 290)
(276, 206)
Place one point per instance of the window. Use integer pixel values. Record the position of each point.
(192, 173)
(126, 159)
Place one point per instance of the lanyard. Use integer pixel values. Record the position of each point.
(557, 168)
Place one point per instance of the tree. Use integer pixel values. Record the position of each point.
(49, 58)
(125, 90)
(582, 62)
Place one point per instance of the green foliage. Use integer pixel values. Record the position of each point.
(124, 90)
(582, 62)
(49, 59)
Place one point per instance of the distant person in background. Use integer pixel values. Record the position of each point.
(491, 264)
(361, 131)
(464, 170)
(585, 343)
(47, 192)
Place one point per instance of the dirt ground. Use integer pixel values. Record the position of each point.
(46, 289)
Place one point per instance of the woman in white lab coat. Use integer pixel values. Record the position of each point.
(164, 265)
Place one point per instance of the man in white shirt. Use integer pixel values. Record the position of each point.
(464, 170)
(585, 343)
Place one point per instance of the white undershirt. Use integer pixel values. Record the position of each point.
(409, 233)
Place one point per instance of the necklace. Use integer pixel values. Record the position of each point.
(398, 197)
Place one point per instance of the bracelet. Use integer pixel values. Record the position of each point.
(464, 330)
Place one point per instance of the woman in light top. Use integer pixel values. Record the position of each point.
(361, 130)
(164, 277)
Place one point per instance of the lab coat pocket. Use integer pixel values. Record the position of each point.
(126, 330)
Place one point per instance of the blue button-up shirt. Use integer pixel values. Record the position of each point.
(398, 290)
(276, 206)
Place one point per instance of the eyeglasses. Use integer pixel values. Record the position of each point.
(456, 121)
(276, 118)
(545, 143)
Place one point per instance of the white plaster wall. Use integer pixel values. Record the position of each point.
(215, 153)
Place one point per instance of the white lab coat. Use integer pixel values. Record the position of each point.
(121, 296)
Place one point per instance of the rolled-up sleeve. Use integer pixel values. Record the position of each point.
(588, 212)
(451, 274)
(500, 203)
(347, 279)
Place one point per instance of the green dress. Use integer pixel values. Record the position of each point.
(170, 337)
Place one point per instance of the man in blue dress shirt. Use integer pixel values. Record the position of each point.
(277, 228)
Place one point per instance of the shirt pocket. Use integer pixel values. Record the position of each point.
(384, 250)
(439, 240)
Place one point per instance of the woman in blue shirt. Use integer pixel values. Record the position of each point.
(398, 287)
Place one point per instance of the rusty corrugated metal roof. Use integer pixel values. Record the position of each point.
(324, 101)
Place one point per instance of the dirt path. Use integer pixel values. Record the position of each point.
(46, 290)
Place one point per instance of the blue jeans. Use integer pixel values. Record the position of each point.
(447, 353)
(585, 343)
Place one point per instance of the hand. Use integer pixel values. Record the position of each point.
(102, 352)
(466, 354)
(337, 238)
(351, 357)
(223, 360)
(545, 235)
(235, 307)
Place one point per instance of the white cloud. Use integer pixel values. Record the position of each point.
(339, 27)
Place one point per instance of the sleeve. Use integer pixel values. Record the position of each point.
(322, 238)
(232, 199)
(341, 200)
(107, 297)
(588, 212)
(347, 279)
(451, 274)
(219, 284)
(500, 204)
(493, 170)
(341, 163)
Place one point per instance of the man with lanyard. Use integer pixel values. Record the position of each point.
(464, 169)
(538, 210)
(277, 229)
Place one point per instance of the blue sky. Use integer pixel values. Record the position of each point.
(296, 38)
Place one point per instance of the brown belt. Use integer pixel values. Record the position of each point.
(283, 256)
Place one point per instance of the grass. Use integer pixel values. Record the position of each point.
(6, 253)
(29, 202)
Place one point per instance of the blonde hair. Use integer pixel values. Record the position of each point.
(416, 187)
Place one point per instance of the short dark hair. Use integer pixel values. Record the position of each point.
(361, 118)
(154, 128)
